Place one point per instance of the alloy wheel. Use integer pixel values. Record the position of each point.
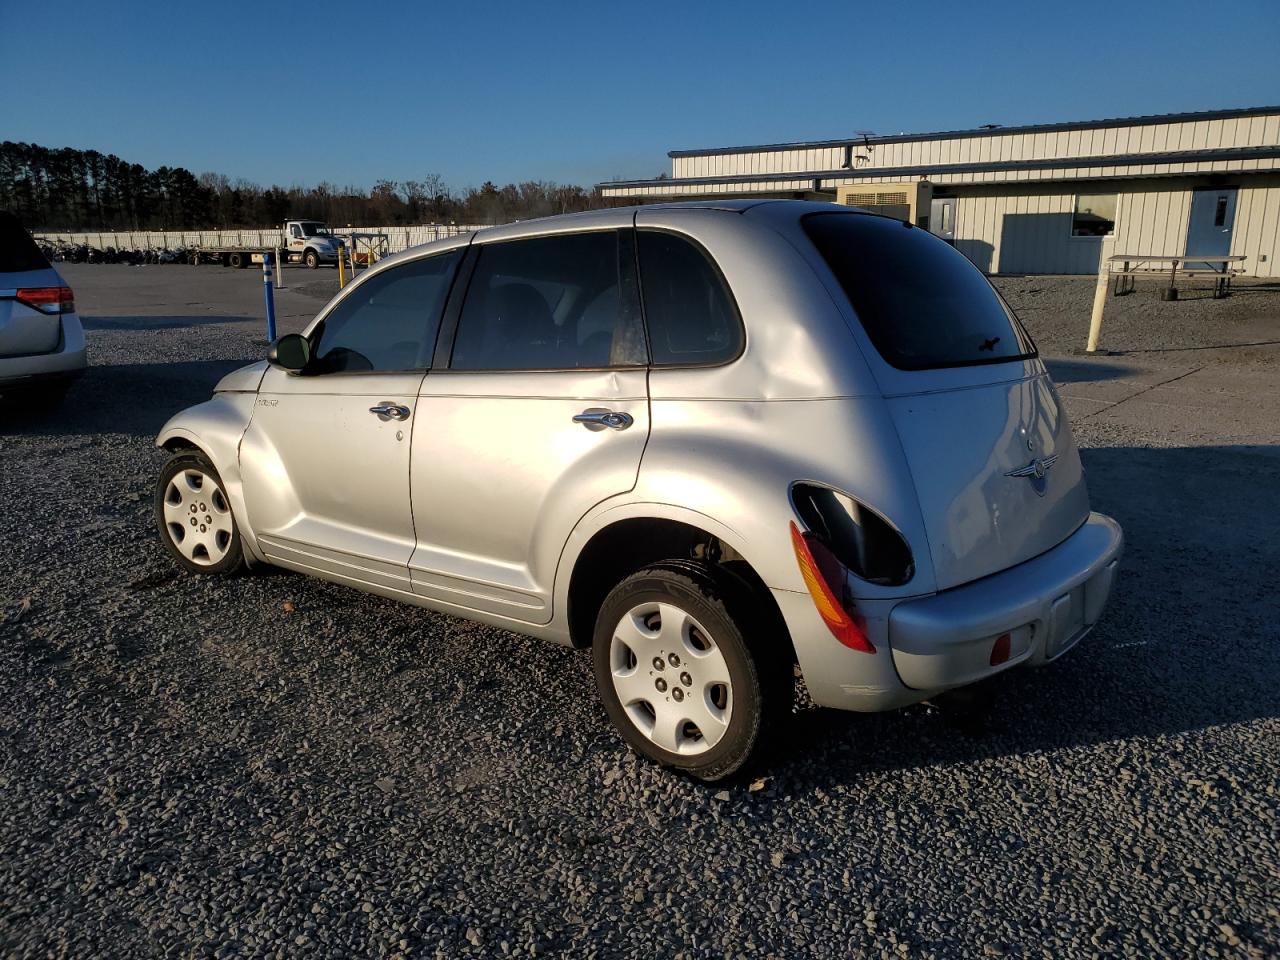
(671, 679)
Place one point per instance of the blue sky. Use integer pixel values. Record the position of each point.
(581, 92)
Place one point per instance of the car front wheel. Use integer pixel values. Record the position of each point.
(194, 516)
(677, 671)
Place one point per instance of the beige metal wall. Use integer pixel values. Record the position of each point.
(1029, 231)
(1262, 130)
(1257, 228)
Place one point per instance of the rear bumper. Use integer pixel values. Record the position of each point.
(946, 640)
(1044, 606)
(65, 363)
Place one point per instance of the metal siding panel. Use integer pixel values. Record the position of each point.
(1164, 233)
(1244, 230)
(1271, 245)
(1271, 131)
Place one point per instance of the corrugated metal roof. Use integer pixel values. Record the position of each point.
(1142, 121)
(1115, 160)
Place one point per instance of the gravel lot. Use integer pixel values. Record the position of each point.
(272, 765)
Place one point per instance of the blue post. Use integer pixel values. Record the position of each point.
(271, 300)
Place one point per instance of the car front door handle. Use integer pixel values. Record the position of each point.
(595, 419)
(390, 411)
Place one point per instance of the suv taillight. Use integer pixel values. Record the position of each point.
(823, 576)
(50, 300)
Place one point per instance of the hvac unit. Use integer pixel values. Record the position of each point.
(907, 201)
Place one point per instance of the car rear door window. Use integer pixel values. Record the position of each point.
(18, 252)
(560, 302)
(689, 312)
(390, 321)
(921, 302)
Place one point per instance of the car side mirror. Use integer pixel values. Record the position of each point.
(292, 351)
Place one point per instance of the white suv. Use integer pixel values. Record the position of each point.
(711, 442)
(41, 340)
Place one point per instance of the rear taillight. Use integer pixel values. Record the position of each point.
(47, 299)
(824, 577)
(1001, 649)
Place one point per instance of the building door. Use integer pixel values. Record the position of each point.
(942, 218)
(1213, 212)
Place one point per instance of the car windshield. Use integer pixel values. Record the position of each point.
(922, 303)
(316, 230)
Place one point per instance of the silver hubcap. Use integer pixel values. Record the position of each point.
(198, 517)
(671, 678)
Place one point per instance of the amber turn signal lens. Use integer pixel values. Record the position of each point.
(809, 550)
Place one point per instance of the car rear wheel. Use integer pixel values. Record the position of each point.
(194, 516)
(679, 674)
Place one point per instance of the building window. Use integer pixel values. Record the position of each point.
(1095, 215)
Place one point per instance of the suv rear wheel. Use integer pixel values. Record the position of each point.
(677, 671)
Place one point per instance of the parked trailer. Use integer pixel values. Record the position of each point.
(254, 241)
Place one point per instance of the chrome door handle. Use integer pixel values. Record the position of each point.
(390, 411)
(595, 419)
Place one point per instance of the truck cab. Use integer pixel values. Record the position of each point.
(310, 242)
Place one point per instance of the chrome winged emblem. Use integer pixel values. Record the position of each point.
(1036, 468)
(1036, 471)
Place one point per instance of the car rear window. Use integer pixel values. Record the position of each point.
(18, 252)
(922, 303)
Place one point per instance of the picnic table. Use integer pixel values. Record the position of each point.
(1125, 267)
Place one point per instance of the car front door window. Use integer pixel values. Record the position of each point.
(389, 322)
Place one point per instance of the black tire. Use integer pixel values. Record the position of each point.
(312, 259)
(203, 524)
(237, 260)
(760, 675)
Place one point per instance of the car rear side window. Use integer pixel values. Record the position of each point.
(560, 302)
(688, 310)
(922, 303)
(18, 252)
(390, 321)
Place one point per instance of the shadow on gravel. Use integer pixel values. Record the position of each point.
(1189, 641)
(176, 322)
(1086, 371)
(135, 398)
(1210, 346)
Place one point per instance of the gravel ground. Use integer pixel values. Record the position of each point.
(272, 765)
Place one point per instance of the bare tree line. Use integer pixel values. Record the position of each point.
(68, 189)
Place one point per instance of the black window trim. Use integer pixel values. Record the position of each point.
(921, 368)
(442, 362)
(317, 331)
(724, 285)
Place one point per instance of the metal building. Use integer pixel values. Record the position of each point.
(1033, 199)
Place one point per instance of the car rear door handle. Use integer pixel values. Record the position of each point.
(390, 411)
(595, 419)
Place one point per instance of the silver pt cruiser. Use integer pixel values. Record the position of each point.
(710, 441)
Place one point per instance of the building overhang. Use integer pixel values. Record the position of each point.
(1163, 164)
(994, 130)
